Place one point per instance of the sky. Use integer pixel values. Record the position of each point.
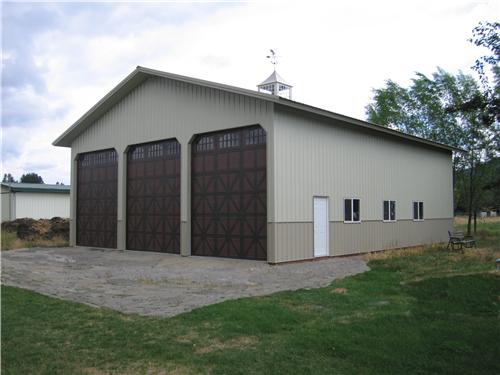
(60, 58)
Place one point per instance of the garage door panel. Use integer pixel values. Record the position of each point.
(208, 163)
(135, 187)
(136, 171)
(249, 159)
(97, 193)
(135, 239)
(252, 204)
(229, 206)
(134, 225)
(228, 196)
(229, 182)
(230, 227)
(153, 197)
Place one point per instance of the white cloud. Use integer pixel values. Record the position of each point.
(333, 52)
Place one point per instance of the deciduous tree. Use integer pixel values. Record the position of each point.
(7, 177)
(32, 178)
(445, 108)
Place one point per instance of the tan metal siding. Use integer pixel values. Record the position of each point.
(377, 235)
(318, 158)
(294, 241)
(306, 156)
(161, 109)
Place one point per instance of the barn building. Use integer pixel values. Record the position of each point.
(176, 164)
(35, 201)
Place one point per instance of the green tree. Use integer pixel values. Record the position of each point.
(32, 178)
(7, 177)
(445, 108)
(487, 35)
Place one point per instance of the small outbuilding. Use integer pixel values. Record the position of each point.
(35, 201)
(176, 164)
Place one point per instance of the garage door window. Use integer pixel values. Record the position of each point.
(229, 140)
(256, 137)
(205, 143)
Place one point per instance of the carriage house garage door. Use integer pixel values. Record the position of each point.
(228, 192)
(153, 197)
(97, 189)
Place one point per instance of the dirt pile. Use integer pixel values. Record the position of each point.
(42, 229)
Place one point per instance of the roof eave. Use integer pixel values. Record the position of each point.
(364, 124)
(111, 98)
(43, 188)
(139, 75)
(31, 190)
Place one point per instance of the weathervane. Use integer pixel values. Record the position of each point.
(275, 84)
(274, 58)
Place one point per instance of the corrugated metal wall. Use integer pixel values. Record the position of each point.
(377, 235)
(316, 157)
(306, 156)
(162, 109)
(41, 205)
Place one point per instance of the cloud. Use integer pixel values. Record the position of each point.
(59, 59)
(20, 25)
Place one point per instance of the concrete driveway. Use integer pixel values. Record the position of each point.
(149, 283)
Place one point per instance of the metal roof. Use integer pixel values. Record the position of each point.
(140, 74)
(36, 188)
(273, 78)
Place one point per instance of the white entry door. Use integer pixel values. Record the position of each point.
(320, 226)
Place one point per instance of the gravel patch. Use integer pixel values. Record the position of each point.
(148, 283)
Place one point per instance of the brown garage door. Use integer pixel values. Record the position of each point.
(153, 197)
(97, 177)
(228, 192)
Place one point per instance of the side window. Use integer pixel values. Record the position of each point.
(418, 210)
(352, 211)
(389, 211)
(347, 209)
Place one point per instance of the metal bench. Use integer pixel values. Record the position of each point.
(458, 241)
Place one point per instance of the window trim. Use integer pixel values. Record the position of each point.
(395, 211)
(418, 210)
(352, 210)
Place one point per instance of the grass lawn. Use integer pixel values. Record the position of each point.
(416, 312)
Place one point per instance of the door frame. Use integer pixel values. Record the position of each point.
(327, 198)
